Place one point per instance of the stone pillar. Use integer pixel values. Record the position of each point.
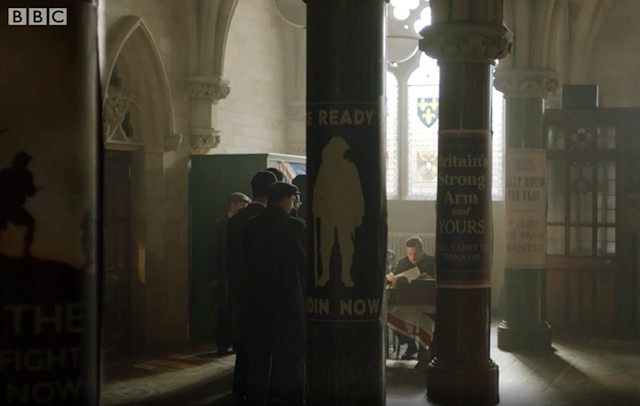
(466, 38)
(204, 92)
(524, 327)
(296, 142)
(295, 47)
(347, 228)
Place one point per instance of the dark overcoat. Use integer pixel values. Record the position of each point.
(235, 264)
(219, 270)
(275, 255)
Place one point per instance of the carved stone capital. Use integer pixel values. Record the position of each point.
(203, 140)
(212, 88)
(515, 82)
(464, 42)
(114, 109)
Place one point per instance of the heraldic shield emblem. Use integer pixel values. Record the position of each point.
(428, 110)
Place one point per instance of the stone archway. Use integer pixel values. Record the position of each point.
(136, 83)
(138, 120)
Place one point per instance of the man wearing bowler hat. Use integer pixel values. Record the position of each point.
(275, 255)
(238, 279)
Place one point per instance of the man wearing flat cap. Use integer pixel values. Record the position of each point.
(276, 262)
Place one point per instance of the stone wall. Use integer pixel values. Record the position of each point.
(262, 113)
(250, 119)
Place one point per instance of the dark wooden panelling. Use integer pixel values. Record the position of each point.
(587, 298)
(574, 293)
(581, 300)
(601, 288)
(556, 297)
(605, 299)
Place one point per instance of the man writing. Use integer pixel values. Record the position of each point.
(415, 322)
(414, 257)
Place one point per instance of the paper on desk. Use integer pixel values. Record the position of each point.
(410, 274)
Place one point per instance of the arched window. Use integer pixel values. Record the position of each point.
(392, 136)
(412, 94)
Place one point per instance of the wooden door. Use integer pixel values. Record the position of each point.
(629, 227)
(116, 323)
(588, 251)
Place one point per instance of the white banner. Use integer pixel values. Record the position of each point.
(525, 208)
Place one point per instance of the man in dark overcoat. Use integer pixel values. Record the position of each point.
(275, 255)
(220, 271)
(238, 276)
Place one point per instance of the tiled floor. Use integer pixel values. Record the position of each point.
(580, 371)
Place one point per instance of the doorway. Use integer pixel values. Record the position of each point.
(117, 303)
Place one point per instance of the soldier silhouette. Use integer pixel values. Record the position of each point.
(339, 204)
(16, 184)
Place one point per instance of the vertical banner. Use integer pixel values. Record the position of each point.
(344, 171)
(525, 208)
(464, 233)
(48, 203)
(347, 202)
(347, 250)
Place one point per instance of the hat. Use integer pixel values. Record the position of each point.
(237, 197)
(278, 190)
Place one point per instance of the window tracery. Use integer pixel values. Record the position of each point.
(412, 95)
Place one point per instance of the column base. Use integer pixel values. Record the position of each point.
(536, 337)
(345, 363)
(466, 385)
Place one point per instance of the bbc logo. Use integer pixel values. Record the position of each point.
(37, 16)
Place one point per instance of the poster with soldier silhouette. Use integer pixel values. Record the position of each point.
(347, 212)
(48, 208)
(347, 218)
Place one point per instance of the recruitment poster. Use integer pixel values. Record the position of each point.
(525, 207)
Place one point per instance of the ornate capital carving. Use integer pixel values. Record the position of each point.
(203, 140)
(212, 88)
(464, 42)
(515, 82)
(114, 110)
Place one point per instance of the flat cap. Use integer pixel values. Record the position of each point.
(237, 197)
(278, 190)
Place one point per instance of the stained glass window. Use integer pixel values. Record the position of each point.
(412, 94)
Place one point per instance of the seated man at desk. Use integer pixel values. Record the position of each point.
(412, 322)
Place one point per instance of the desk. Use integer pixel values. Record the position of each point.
(408, 310)
(420, 292)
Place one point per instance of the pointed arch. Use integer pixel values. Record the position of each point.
(134, 70)
(214, 20)
(222, 32)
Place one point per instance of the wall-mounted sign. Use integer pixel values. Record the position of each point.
(525, 208)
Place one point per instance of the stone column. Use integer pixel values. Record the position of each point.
(524, 327)
(347, 228)
(296, 113)
(295, 86)
(204, 92)
(466, 37)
